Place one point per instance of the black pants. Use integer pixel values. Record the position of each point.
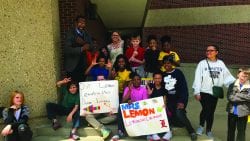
(179, 119)
(78, 73)
(208, 103)
(56, 109)
(22, 133)
(236, 122)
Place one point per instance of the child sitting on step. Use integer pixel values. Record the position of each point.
(69, 106)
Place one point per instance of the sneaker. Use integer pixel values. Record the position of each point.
(74, 136)
(167, 136)
(193, 137)
(56, 125)
(155, 137)
(105, 132)
(118, 136)
(115, 138)
(210, 135)
(199, 130)
(149, 138)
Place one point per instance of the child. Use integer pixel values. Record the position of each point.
(238, 106)
(16, 118)
(100, 68)
(135, 55)
(134, 92)
(93, 52)
(151, 57)
(121, 73)
(176, 85)
(103, 51)
(166, 50)
(157, 90)
(70, 106)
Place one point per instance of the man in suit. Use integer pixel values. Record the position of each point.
(78, 41)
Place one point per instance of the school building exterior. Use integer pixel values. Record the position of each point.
(33, 33)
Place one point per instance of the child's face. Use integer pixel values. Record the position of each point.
(168, 66)
(135, 42)
(104, 51)
(101, 62)
(152, 44)
(166, 46)
(121, 63)
(157, 79)
(136, 81)
(243, 77)
(18, 100)
(73, 89)
(100, 78)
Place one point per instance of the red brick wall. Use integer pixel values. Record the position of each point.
(190, 41)
(162, 4)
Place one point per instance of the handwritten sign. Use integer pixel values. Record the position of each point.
(98, 97)
(145, 117)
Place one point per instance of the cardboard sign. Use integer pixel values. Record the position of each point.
(145, 117)
(98, 97)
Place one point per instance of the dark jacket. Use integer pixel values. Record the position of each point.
(176, 85)
(238, 97)
(73, 51)
(9, 117)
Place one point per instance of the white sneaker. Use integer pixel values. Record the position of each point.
(155, 137)
(199, 130)
(210, 135)
(168, 135)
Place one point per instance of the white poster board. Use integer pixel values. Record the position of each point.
(98, 97)
(145, 117)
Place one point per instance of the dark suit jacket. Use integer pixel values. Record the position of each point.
(72, 50)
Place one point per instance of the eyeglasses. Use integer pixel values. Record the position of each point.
(210, 50)
(115, 35)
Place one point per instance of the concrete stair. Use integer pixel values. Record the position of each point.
(46, 133)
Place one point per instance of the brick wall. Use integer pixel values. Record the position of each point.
(190, 41)
(162, 4)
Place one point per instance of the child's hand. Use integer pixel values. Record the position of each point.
(113, 73)
(66, 80)
(135, 53)
(197, 97)
(130, 86)
(69, 118)
(150, 91)
(109, 64)
(93, 63)
(129, 102)
(7, 130)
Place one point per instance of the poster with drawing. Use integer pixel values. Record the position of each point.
(145, 117)
(98, 97)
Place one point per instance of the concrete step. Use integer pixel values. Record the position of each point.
(179, 134)
(97, 138)
(46, 130)
(62, 138)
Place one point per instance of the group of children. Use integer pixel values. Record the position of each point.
(128, 69)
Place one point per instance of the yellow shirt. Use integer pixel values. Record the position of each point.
(162, 54)
(122, 77)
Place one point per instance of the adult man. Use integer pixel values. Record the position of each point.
(78, 41)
